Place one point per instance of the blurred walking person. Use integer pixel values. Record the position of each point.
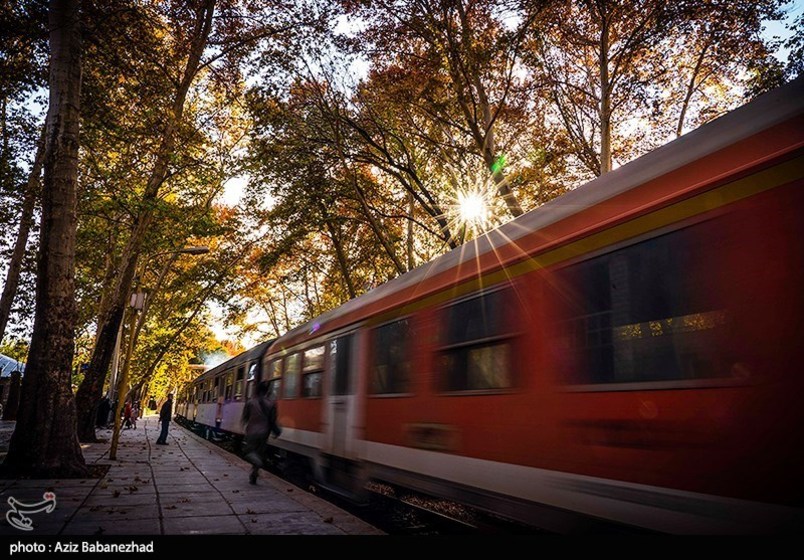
(259, 417)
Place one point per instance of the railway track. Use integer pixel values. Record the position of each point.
(421, 514)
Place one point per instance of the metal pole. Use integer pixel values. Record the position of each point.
(116, 361)
(122, 388)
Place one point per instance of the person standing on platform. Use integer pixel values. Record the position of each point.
(165, 414)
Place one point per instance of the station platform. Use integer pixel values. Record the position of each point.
(188, 487)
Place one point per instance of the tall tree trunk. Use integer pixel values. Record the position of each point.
(466, 74)
(411, 262)
(343, 264)
(692, 85)
(44, 441)
(110, 270)
(13, 400)
(361, 197)
(26, 222)
(605, 98)
(89, 393)
(374, 225)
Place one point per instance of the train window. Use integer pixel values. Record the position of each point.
(229, 386)
(314, 359)
(312, 384)
(647, 312)
(292, 367)
(340, 359)
(275, 368)
(275, 387)
(312, 371)
(391, 365)
(238, 389)
(251, 379)
(476, 349)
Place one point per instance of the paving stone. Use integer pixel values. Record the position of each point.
(108, 497)
(188, 487)
(196, 509)
(118, 512)
(209, 525)
(112, 527)
(274, 504)
(297, 523)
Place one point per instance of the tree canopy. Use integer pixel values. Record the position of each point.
(358, 131)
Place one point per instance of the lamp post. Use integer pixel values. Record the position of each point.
(137, 303)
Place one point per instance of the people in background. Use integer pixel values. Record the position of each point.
(165, 415)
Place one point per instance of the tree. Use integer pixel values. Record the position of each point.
(467, 52)
(44, 442)
(362, 171)
(23, 69)
(30, 197)
(200, 40)
(716, 49)
(199, 20)
(594, 55)
(795, 60)
(626, 77)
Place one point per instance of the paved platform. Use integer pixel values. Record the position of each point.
(188, 487)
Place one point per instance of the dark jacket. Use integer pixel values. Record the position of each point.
(166, 412)
(259, 416)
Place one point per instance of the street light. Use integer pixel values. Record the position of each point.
(137, 303)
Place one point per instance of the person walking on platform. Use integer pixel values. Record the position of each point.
(259, 417)
(165, 414)
(127, 414)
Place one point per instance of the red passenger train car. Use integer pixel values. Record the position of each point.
(628, 353)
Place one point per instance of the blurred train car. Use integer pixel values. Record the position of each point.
(217, 396)
(629, 353)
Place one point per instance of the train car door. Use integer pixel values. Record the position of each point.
(341, 399)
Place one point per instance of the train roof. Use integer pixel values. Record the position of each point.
(766, 111)
(253, 353)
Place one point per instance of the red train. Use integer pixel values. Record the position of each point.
(629, 353)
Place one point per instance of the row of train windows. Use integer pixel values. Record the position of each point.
(231, 385)
(475, 354)
(652, 311)
(299, 374)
